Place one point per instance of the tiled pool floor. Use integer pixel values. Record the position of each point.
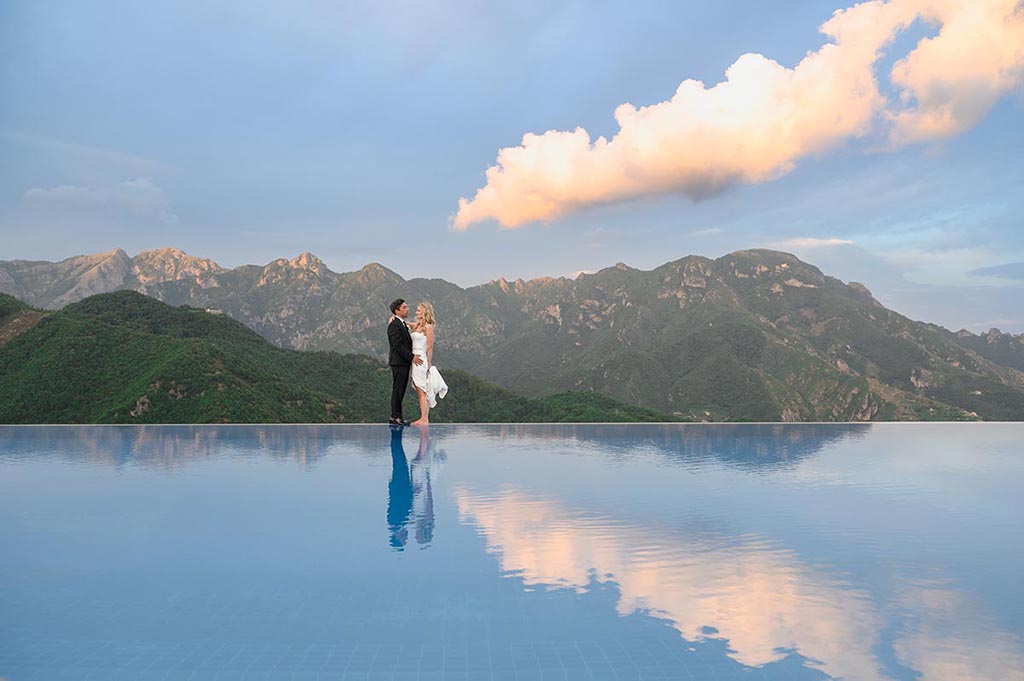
(512, 552)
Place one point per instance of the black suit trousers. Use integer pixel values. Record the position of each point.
(399, 384)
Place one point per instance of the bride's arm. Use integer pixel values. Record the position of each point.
(430, 344)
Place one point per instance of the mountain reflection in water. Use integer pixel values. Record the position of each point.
(751, 447)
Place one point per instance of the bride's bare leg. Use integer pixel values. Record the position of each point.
(424, 409)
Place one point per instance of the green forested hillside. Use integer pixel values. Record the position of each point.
(10, 306)
(753, 335)
(125, 358)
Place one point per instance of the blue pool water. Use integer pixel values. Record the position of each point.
(890, 551)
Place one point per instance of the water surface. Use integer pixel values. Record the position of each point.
(889, 551)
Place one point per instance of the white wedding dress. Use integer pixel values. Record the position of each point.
(427, 379)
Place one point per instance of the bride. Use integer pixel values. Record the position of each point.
(425, 377)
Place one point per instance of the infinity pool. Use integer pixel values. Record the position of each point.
(890, 551)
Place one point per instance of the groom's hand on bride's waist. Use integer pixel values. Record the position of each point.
(416, 359)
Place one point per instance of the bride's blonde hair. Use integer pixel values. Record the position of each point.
(427, 317)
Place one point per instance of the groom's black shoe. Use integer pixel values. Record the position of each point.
(398, 422)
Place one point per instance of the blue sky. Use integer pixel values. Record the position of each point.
(249, 131)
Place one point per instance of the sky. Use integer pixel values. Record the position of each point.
(468, 141)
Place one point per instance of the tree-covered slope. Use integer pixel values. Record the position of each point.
(10, 307)
(754, 335)
(16, 317)
(126, 358)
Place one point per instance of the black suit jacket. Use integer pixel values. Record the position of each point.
(400, 341)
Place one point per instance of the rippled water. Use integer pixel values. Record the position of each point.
(889, 551)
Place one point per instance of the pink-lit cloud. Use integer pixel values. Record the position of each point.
(764, 117)
(760, 598)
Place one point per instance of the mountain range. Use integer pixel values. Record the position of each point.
(752, 335)
(126, 358)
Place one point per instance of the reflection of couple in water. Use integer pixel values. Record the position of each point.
(410, 497)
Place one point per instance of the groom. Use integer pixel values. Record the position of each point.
(400, 358)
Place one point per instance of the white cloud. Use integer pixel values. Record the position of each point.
(756, 124)
(949, 266)
(139, 197)
(810, 243)
(963, 258)
(949, 82)
(706, 232)
(1010, 270)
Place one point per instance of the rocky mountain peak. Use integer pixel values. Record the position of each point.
(775, 266)
(116, 259)
(519, 285)
(764, 254)
(305, 268)
(84, 276)
(863, 291)
(374, 273)
(167, 252)
(170, 254)
(994, 335)
(307, 261)
(172, 264)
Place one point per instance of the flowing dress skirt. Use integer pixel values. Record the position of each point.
(430, 382)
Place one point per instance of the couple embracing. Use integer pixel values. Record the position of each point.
(412, 351)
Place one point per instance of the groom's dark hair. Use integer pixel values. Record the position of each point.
(396, 303)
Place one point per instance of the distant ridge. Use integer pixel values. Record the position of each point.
(752, 335)
(125, 358)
